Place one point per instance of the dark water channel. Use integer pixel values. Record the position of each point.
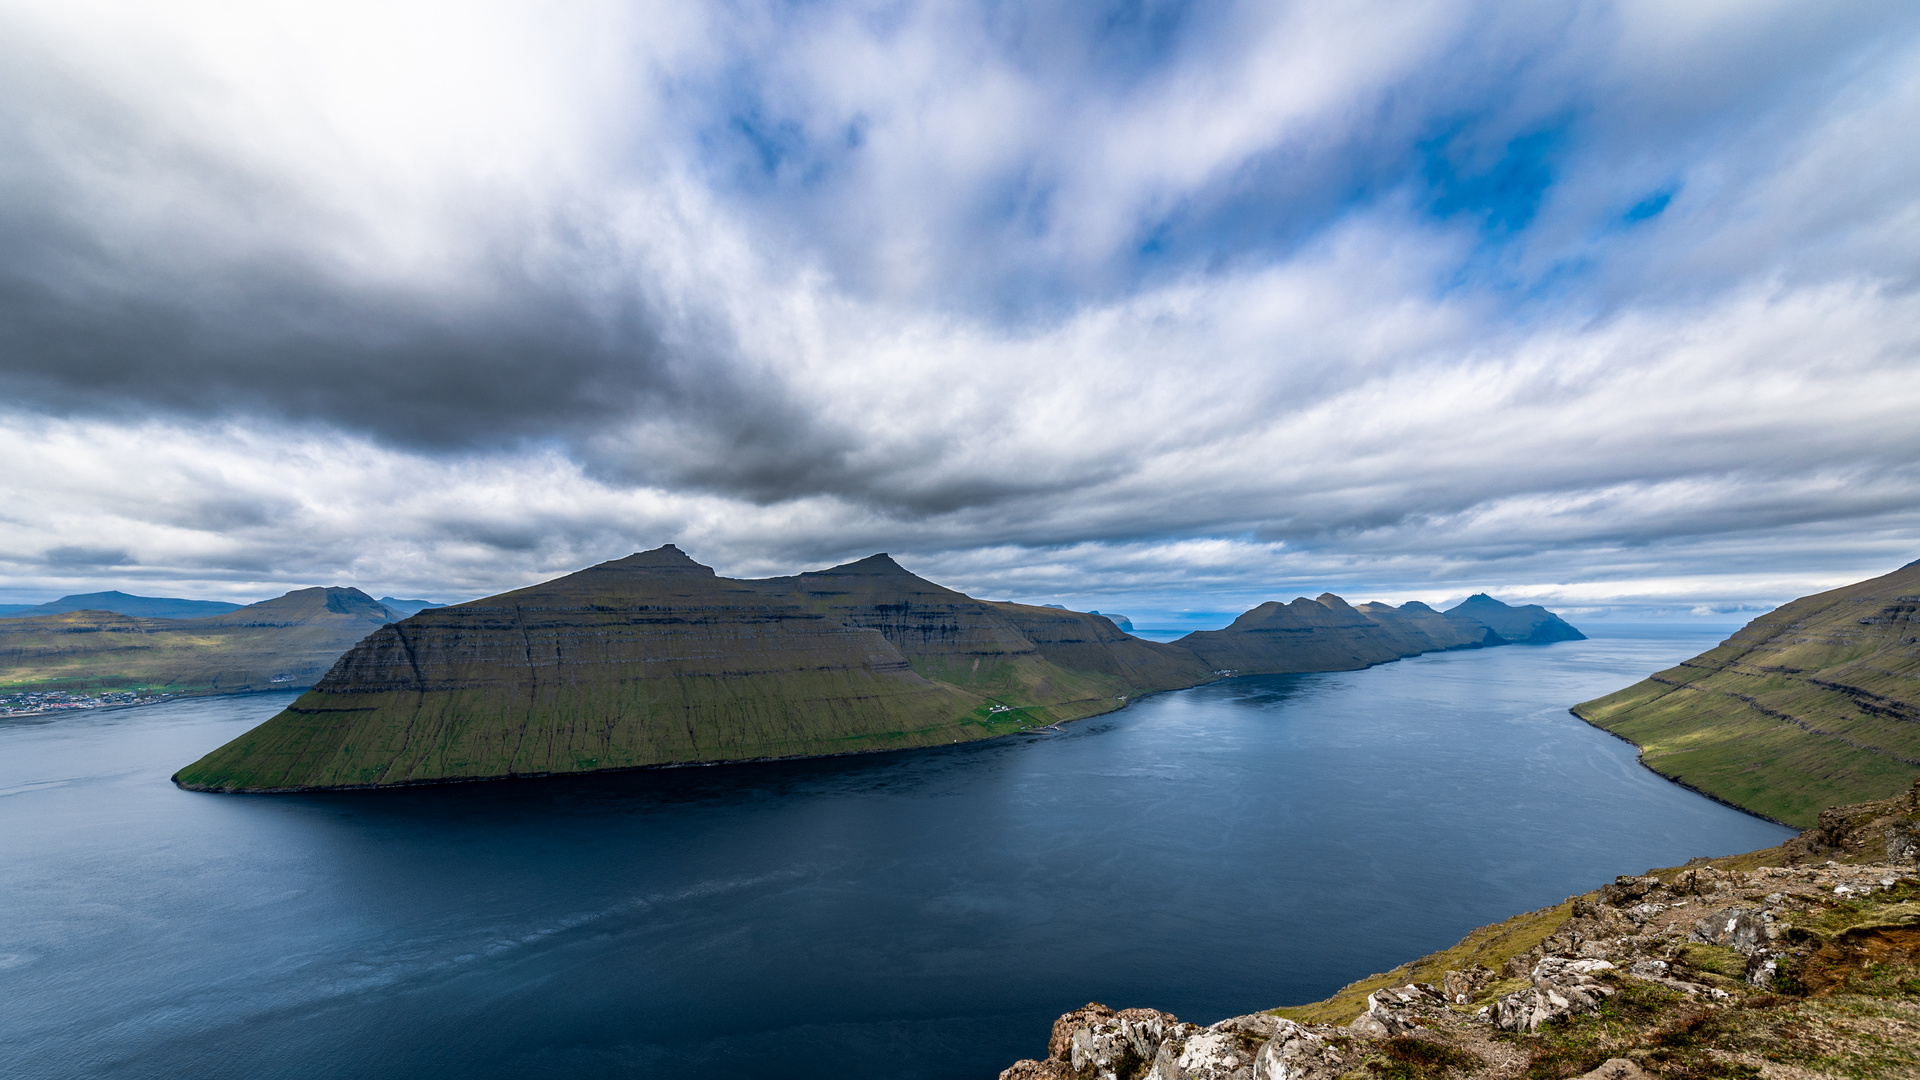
(1253, 843)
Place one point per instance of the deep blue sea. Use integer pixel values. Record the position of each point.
(1253, 843)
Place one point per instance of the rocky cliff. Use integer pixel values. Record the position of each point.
(1812, 704)
(655, 660)
(1796, 962)
(288, 642)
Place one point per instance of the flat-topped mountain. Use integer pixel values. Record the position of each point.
(656, 660)
(283, 643)
(1811, 705)
(119, 603)
(1528, 624)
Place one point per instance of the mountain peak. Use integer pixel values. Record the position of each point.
(664, 557)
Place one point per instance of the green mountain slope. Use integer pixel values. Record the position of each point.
(655, 660)
(284, 643)
(1812, 705)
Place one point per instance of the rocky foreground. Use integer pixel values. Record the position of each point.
(1798, 961)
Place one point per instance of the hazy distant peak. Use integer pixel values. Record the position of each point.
(119, 603)
(1417, 606)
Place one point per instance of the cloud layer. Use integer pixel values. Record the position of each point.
(1169, 307)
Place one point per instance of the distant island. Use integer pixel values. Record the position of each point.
(119, 603)
(655, 660)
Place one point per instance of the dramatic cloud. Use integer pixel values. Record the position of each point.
(1172, 306)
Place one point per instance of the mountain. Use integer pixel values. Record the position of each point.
(1811, 705)
(1120, 621)
(284, 643)
(656, 660)
(403, 608)
(119, 603)
(1530, 625)
(1328, 634)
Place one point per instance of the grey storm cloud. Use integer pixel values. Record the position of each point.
(1405, 297)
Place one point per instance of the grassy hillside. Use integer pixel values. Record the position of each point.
(655, 660)
(285, 643)
(1813, 705)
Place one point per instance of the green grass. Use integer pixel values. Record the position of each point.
(1816, 704)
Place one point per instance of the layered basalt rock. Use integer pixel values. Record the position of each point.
(1814, 704)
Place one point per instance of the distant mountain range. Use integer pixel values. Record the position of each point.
(656, 660)
(284, 643)
(119, 603)
(1811, 705)
(165, 607)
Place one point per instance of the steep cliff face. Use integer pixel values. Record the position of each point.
(1328, 634)
(647, 660)
(1813, 704)
(284, 643)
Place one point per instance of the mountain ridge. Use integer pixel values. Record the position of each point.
(655, 660)
(1814, 704)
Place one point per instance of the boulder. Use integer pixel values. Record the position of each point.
(1294, 1053)
(1204, 1054)
(1119, 1046)
(1459, 987)
(1561, 987)
(1627, 890)
(1394, 1010)
(1903, 843)
(1738, 928)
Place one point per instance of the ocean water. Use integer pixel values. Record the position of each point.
(923, 914)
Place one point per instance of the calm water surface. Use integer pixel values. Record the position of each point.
(927, 914)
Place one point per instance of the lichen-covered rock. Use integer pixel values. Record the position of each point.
(1122, 1045)
(1204, 1054)
(1738, 928)
(1460, 987)
(1628, 889)
(1561, 987)
(1295, 1053)
(1396, 1010)
(1029, 1069)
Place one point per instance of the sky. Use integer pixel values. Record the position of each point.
(1159, 308)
